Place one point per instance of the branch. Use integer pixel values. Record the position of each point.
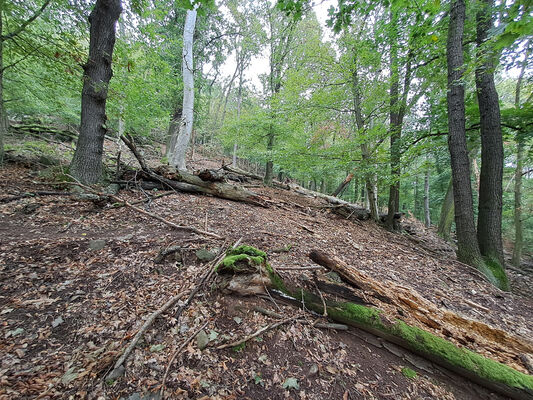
(23, 26)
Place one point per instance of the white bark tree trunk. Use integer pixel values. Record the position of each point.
(183, 130)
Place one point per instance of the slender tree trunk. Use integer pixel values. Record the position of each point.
(86, 165)
(489, 222)
(183, 134)
(468, 250)
(239, 105)
(519, 237)
(427, 215)
(4, 123)
(416, 197)
(269, 171)
(447, 213)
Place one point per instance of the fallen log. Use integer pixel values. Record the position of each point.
(184, 181)
(481, 370)
(391, 297)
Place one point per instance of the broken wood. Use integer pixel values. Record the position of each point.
(186, 182)
(480, 369)
(500, 344)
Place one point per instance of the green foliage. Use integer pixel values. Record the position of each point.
(409, 373)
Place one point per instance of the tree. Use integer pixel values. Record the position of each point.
(182, 133)
(86, 165)
(4, 37)
(468, 250)
(489, 222)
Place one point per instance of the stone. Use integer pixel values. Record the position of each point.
(97, 244)
(116, 373)
(112, 188)
(202, 340)
(333, 276)
(205, 255)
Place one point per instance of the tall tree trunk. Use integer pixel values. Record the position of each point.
(427, 215)
(468, 250)
(183, 133)
(416, 198)
(269, 171)
(519, 238)
(86, 165)
(489, 222)
(239, 105)
(447, 213)
(395, 126)
(4, 123)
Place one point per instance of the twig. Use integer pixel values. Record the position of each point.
(310, 267)
(323, 325)
(257, 333)
(144, 328)
(149, 214)
(178, 351)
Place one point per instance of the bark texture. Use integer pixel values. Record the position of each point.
(468, 250)
(86, 165)
(446, 213)
(182, 131)
(489, 226)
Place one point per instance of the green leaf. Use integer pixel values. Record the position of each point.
(291, 383)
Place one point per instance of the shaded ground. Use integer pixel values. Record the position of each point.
(66, 310)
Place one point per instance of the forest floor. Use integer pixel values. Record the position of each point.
(77, 279)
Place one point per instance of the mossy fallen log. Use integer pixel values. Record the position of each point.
(481, 370)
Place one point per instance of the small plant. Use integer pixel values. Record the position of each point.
(408, 373)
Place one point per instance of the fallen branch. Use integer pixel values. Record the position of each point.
(149, 214)
(143, 330)
(178, 351)
(257, 333)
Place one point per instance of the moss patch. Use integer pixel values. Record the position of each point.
(248, 250)
(409, 373)
(498, 272)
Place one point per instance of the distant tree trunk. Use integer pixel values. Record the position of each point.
(489, 222)
(239, 105)
(519, 238)
(342, 186)
(427, 215)
(183, 133)
(86, 165)
(446, 214)
(416, 197)
(468, 250)
(269, 171)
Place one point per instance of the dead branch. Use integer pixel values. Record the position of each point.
(143, 329)
(257, 333)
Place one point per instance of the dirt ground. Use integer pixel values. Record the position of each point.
(77, 280)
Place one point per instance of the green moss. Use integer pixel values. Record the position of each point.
(238, 263)
(249, 250)
(277, 282)
(427, 343)
(498, 272)
(408, 373)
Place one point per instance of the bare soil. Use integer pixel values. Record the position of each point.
(67, 311)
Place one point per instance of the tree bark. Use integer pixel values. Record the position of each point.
(184, 129)
(427, 215)
(489, 222)
(86, 165)
(447, 213)
(342, 187)
(519, 238)
(468, 250)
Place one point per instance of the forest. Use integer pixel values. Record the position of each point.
(391, 133)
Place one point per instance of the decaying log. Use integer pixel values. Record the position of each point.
(184, 181)
(480, 369)
(211, 175)
(500, 344)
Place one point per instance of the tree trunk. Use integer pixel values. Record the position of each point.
(446, 214)
(269, 171)
(519, 237)
(468, 250)
(183, 133)
(489, 222)
(86, 165)
(427, 215)
(4, 123)
(416, 197)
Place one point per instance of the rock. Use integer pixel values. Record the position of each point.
(116, 373)
(202, 340)
(205, 255)
(97, 244)
(56, 322)
(48, 160)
